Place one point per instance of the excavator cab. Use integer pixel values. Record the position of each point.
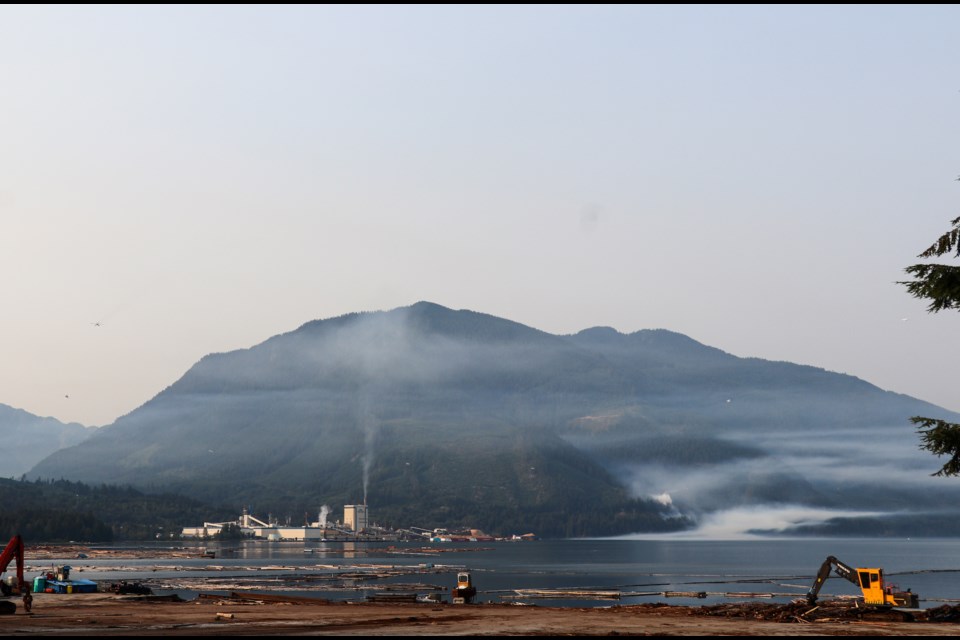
(871, 583)
(464, 580)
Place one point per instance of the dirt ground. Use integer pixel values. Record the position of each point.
(108, 615)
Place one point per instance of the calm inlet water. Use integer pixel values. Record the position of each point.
(639, 571)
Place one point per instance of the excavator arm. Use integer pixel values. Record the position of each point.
(14, 551)
(842, 570)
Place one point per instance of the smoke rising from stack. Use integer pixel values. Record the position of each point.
(324, 512)
(368, 425)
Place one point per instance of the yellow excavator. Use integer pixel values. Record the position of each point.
(876, 592)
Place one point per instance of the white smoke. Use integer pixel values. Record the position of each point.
(368, 425)
(324, 512)
(738, 523)
(663, 498)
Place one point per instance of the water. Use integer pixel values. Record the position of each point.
(640, 570)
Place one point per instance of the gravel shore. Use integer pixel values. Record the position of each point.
(108, 615)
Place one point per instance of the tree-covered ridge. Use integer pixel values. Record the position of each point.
(61, 510)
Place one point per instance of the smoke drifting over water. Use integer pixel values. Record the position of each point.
(745, 523)
(757, 472)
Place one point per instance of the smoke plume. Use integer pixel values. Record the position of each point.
(324, 511)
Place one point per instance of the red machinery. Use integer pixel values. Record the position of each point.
(14, 551)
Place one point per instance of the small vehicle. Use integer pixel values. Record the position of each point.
(125, 588)
(465, 592)
(876, 592)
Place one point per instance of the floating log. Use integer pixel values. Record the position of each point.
(152, 598)
(392, 597)
(568, 594)
(276, 597)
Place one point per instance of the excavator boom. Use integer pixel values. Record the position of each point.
(14, 551)
(842, 570)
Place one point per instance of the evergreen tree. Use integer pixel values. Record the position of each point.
(940, 284)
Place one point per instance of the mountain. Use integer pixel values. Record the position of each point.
(440, 417)
(29, 439)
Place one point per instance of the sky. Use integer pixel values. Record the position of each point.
(177, 181)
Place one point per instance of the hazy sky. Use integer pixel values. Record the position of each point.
(198, 179)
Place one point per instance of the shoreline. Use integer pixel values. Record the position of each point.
(258, 607)
(110, 615)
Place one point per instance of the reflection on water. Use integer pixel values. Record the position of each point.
(636, 571)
